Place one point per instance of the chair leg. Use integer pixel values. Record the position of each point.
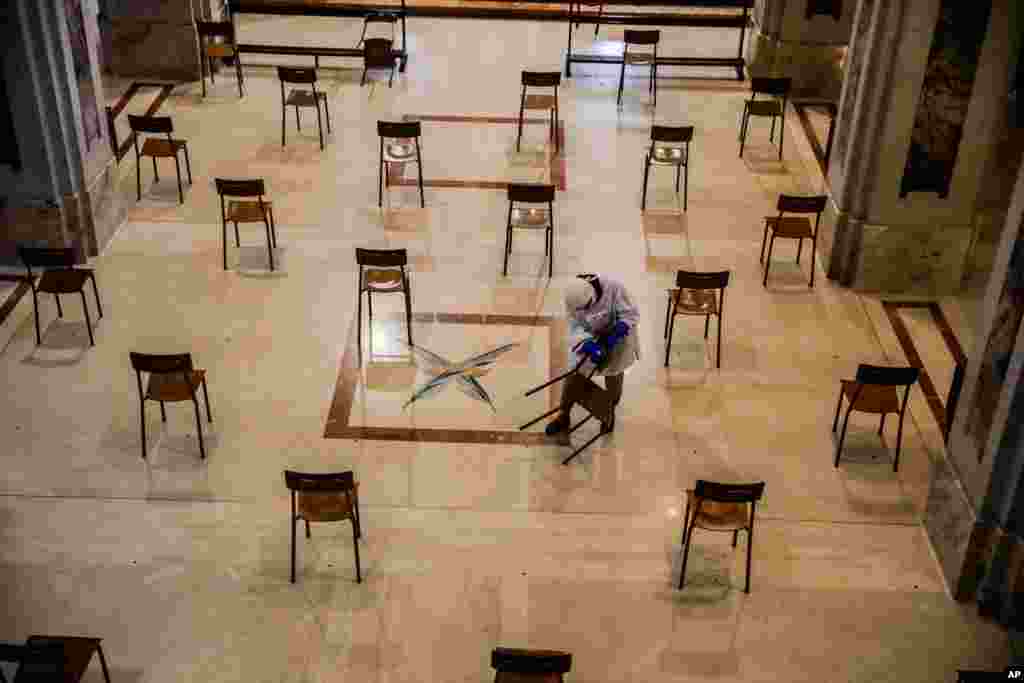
(188, 163)
(308, 533)
(96, 295)
(750, 550)
(284, 111)
(881, 424)
(238, 72)
(35, 308)
(668, 339)
(298, 121)
(206, 400)
(686, 184)
(380, 178)
(156, 173)
(224, 242)
(359, 320)
(782, 128)
(362, 81)
(142, 422)
(60, 311)
(687, 536)
(177, 171)
(643, 195)
(355, 546)
(745, 121)
(764, 243)
(622, 78)
(551, 240)
(238, 241)
(799, 249)
(814, 256)
(419, 171)
(199, 429)
(668, 313)
(735, 535)
(771, 133)
(768, 261)
(408, 316)
(718, 349)
(138, 180)
(508, 240)
(839, 404)
(654, 83)
(163, 412)
(273, 228)
(103, 663)
(679, 172)
(899, 443)
(319, 126)
(293, 544)
(842, 435)
(707, 325)
(270, 244)
(327, 114)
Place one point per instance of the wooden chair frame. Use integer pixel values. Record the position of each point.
(578, 11)
(387, 259)
(697, 282)
(398, 130)
(540, 79)
(777, 88)
(793, 228)
(380, 17)
(240, 212)
(339, 483)
(519, 193)
(881, 377)
(170, 364)
(669, 134)
(715, 492)
(157, 148)
(378, 53)
(634, 37)
(209, 30)
(61, 275)
(300, 98)
(513, 665)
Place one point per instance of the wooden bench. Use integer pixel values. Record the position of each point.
(315, 52)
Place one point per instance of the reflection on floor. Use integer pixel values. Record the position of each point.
(181, 565)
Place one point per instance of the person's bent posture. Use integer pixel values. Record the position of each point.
(602, 331)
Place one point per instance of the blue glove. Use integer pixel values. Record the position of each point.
(617, 334)
(592, 350)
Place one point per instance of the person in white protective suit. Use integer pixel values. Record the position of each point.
(603, 332)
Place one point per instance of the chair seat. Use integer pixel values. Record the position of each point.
(77, 650)
(695, 302)
(764, 108)
(639, 58)
(873, 398)
(539, 102)
(516, 677)
(794, 227)
(530, 218)
(304, 98)
(247, 211)
(400, 151)
(382, 279)
(715, 516)
(62, 281)
(327, 506)
(156, 147)
(668, 156)
(171, 386)
(220, 50)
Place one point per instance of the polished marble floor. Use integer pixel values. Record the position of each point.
(182, 565)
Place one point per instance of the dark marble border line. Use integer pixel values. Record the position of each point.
(948, 335)
(812, 136)
(8, 305)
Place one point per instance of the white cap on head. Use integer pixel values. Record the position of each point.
(578, 294)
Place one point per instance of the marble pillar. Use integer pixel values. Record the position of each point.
(796, 38)
(916, 242)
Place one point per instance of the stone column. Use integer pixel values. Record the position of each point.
(886, 238)
(156, 39)
(801, 40)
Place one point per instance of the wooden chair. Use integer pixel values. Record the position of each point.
(63, 659)
(382, 271)
(778, 90)
(324, 498)
(171, 379)
(301, 97)
(579, 12)
(670, 146)
(212, 49)
(399, 144)
(643, 58)
(245, 211)
(60, 275)
(378, 17)
(157, 148)
(529, 666)
(548, 103)
(521, 218)
(875, 391)
(793, 227)
(720, 507)
(695, 295)
(378, 54)
(41, 662)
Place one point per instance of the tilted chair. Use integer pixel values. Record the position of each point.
(796, 227)
(212, 49)
(548, 103)
(378, 54)
(378, 17)
(521, 218)
(245, 211)
(60, 275)
(157, 148)
(399, 144)
(695, 295)
(171, 379)
(301, 97)
(641, 58)
(382, 271)
(875, 391)
(514, 665)
(670, 146)
(775, 108)
(720, 507)
(324, 498)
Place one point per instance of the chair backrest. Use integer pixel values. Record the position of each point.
(399, 129)
(211, 29)
(776, 87)
(382, 258)
(542, 79)
(634, 37)
(48, 257)
(887, 376)
(296, 74)
(728, 493)
(240, 188)
(161, 363)
(531, 193)
(789, 203)
(671, 133)
(377, 53)
(150, 124)
(336, 482)
(513, 660)
(712, 280)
